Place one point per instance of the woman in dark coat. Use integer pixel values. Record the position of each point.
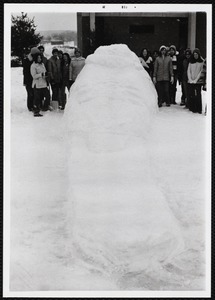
(144, 55)
(184, 77)
(65, 67)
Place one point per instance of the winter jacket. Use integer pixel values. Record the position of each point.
(184, 69)
(163, 68)
(76, 65)
(194, 73)
(65, 68)
(54, 69)
(27, 78)
(39, 81)
(45, 61)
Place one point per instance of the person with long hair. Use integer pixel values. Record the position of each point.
(195, 81)
(184, 78)
(40, 85)
(146, 60)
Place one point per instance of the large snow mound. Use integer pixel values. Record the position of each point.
(113, 98)
(118, 219)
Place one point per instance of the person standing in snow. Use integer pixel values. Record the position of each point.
(195, 81)
(146, 61)
(172, 87)
(163, 74)
(27, 78)
(65, 67)
(181, 57)
(204, 88)
(155, 54)
(184, 78)
(54, 75)
(40, 85)
(76, 65)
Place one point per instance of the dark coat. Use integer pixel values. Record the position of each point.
(27, 78)
(184, 69)
(54, 70)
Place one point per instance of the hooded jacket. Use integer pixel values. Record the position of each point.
(195, 67)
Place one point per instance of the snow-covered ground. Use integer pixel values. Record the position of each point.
(41, 258)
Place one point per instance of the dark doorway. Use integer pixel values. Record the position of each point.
(183, 33)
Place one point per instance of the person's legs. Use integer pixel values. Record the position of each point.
(198, 99)
(46, 95)
(183, 94)
(55, 92)
(37, 101)
(166, 92)
(172, 91)
(160, 92)
(62, 96)
(185, 99)
(30, 97)
(191, 97)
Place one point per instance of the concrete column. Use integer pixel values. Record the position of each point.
(191, 43)
(79, 32)
(92, 22)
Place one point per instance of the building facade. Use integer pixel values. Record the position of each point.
(138, 30)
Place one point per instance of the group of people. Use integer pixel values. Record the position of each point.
(167, 66)
(58, 72)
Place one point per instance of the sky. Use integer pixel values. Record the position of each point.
(54, 21)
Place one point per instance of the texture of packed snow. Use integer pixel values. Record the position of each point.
(93, 197)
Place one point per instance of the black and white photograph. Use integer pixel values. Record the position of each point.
(107, 150)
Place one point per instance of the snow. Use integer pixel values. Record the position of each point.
(61, 185)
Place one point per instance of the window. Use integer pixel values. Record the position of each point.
(141, 29)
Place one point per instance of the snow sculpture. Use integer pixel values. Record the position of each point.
(112, 100)
(118, 218)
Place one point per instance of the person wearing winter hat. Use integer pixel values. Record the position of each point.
(27, 78)
(195, 81)
(163, 74)
(172, 88)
